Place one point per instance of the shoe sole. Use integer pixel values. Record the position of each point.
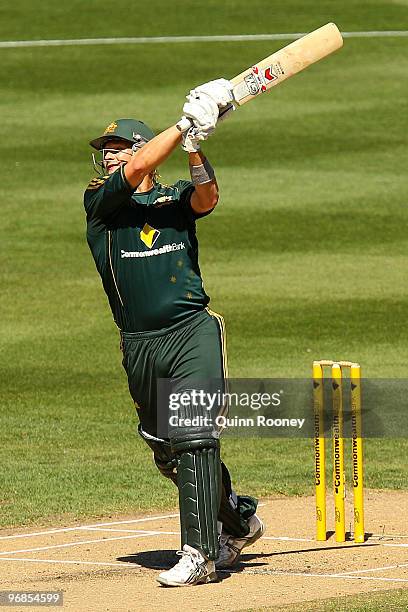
(258, 534)
(205, 580)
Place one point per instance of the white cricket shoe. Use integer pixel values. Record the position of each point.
(231, 547)
(193, 568)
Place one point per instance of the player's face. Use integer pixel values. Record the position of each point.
(115, 154)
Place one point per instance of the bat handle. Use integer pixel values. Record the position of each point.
(184, 124)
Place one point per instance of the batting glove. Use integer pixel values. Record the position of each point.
(190, 142)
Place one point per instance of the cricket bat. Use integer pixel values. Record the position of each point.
(282, 65)
(285, 63)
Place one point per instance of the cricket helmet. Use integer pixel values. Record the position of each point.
(135, 132)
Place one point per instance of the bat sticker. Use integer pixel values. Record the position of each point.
(259, 77)
(269, 75)
(252, 84)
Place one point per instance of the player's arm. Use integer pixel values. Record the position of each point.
(202, 108)
(151, 155)
(205, 195)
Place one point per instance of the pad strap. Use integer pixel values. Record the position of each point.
(163, 456)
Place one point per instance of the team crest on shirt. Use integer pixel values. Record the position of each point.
(149, 235)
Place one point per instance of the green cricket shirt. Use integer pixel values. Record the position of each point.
(146, 251)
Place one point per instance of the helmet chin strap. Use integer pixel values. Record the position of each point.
(98, 165)
(137, 142)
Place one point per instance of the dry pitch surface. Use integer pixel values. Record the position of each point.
(112, 564)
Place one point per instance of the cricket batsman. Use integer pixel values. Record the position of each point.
(142, 235)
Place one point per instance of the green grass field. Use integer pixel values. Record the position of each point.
(396, 600)
(306, 256)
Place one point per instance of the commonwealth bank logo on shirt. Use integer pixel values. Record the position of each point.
(149, 235)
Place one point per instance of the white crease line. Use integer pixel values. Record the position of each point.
(379, 579)
(138, 535)
(387, 535)
(131, 521)
(287, 539)
(375, 569)
(148, 532)
(348, 542)
(312, 575)
(40, 533)
(7, 44)
(85, 527)
(273, 572)
(70, 562)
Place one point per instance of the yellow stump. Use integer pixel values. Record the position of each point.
(338, 455)
(320, 451)
(357, 452)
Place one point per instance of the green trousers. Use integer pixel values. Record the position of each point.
(191, 351)
(194, 350)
